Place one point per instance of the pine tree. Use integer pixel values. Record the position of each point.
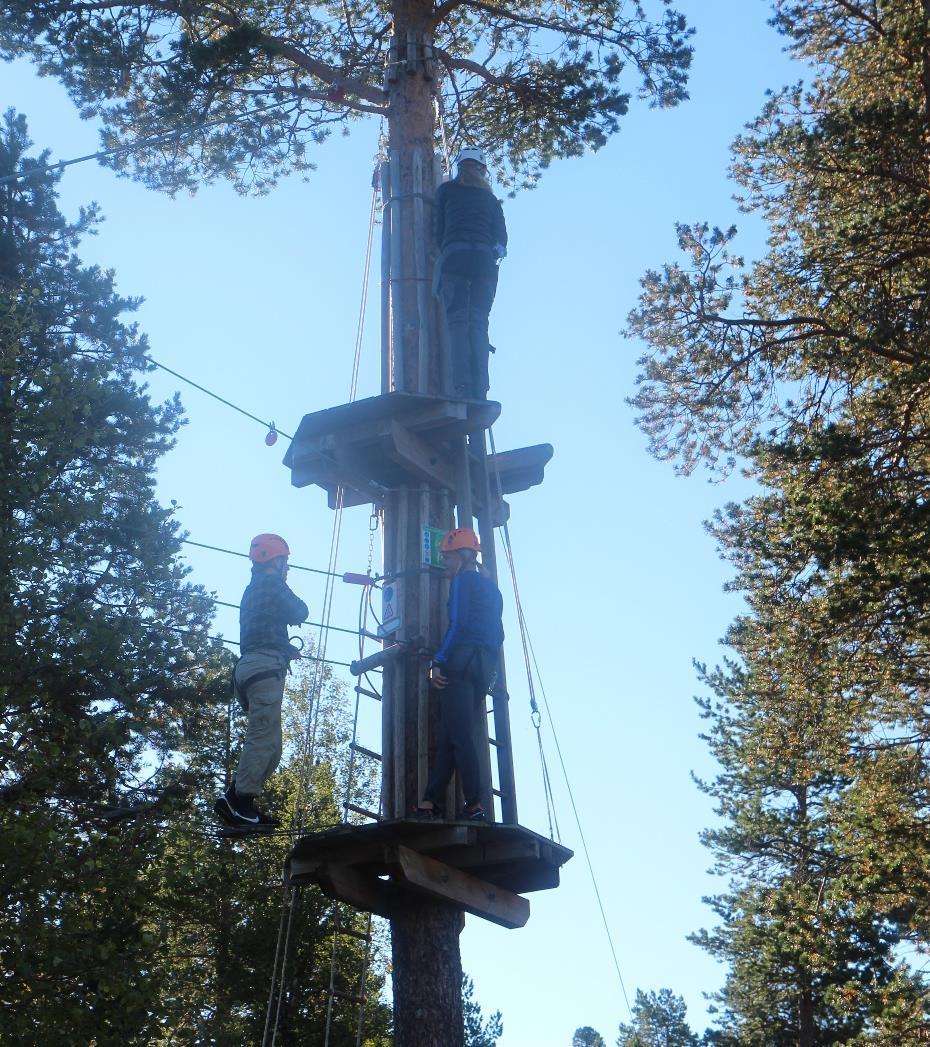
(101, 638)
(810, 367)
(659, 1020)
(217, 904)
(586, 1036)
(528, 81)
(124, 919)
(479, 1032)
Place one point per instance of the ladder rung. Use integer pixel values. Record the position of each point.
(492, 741)
(362, 937)
(361, 810)
(497, 792)
(371, 694)
(365, 752)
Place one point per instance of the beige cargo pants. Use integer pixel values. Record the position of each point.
(261, 750)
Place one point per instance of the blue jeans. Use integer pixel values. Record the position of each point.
(468, 283)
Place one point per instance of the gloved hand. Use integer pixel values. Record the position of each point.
(500, 251)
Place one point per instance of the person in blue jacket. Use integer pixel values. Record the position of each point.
(463, 671)
(471, 238)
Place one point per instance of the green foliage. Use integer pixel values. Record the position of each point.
(585, 1036)
(529, 81)
(658, 1021)
(478, 1031)
(219, 902)
(123, 918)
(810, 366)
(96, 680)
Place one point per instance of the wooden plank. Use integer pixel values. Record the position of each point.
(519, 469)
(494, 854)
(424, 412)
(442, 882)
(367, 893)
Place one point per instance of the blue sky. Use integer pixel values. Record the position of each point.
(258, 300)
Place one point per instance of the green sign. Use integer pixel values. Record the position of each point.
(432, 536)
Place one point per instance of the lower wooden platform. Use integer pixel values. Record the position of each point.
(481, 868)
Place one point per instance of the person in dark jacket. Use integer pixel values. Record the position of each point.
(471, 238)
(267, 608)
(463, 671)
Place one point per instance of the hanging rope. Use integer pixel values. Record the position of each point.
(311, 731)
(441, 120)
(535, 716)
(530, 655)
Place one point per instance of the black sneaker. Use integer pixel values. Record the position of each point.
(473, 812)
(240, 811)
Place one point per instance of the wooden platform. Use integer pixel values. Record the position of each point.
(382, 442)
(372, 446)
(478, 867)
(519, 469)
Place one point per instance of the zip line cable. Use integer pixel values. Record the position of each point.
(270, 426)
(245, 556)
(159, 139)
(525, 634)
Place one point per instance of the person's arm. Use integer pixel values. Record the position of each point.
(459, 597)
(294, 610)
(500, 230)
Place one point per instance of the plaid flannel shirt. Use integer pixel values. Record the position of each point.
(268, 607)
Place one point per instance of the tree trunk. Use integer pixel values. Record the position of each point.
(427, 977)
(427, 966)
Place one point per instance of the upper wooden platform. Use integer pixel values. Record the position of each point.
(372, 445)
(481, 868)
(396, 440)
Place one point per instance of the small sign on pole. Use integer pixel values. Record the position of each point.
(391, 616)
(432, 538)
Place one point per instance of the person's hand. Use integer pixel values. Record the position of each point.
(436, 678)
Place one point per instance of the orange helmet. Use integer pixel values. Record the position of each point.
(460, 538)
(266, 547)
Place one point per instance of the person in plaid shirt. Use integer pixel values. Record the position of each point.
(267, 608)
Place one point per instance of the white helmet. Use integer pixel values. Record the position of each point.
(471, 153)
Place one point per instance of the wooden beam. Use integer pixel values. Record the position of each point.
(367, 893)
(419, 457)
(443, 883)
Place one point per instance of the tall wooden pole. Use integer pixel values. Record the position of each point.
(427, 968)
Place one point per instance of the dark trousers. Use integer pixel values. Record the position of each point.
(470, 671)
(468, 283)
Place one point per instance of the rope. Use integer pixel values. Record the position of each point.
(245, 556)
(310, 735)
(160, 139)
(364, 602)
(531, 657)
(441, 119)
(333, 628)
(270, 426)
(554, 832)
